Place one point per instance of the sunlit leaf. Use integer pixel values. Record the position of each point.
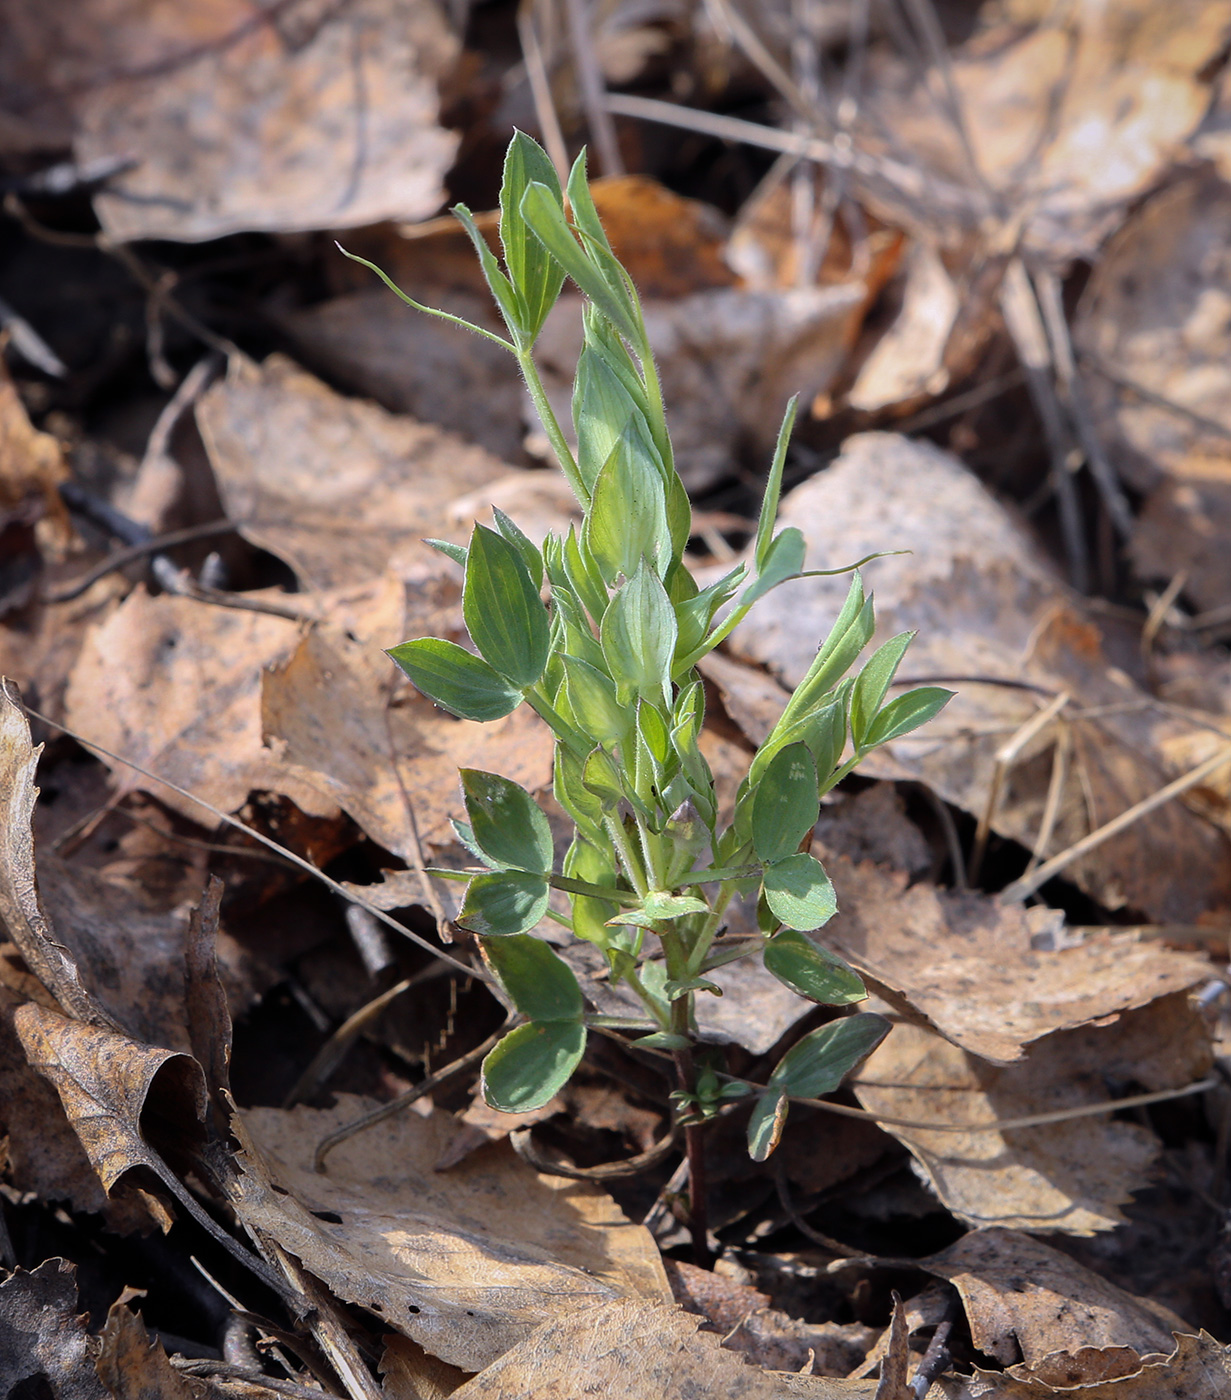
(766, 1124)
(874, 680)
(818, 1063)
(503, 903)
(812, 971)
(506, 822)
(799, 892)
(539, 983)
(532, 1064)
(907, 712)
(456, 679)
(785, 806)
(504, 613)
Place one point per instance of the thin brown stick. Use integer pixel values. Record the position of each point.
(118, 558)
(593, 89)
(522, 1141)
(425, 1086)
(540, 89)
(224, 1371)
(1055, 791)
(1021, 889)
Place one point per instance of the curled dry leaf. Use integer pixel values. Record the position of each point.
(300, 119)
(1068, 1177)
(972, 965)
(1156, 315)
(1025, 1300)
(466, 1263)
(1199, 1368)
(991, 613)
(628, 1349)
(340, 489)
(134, 1366)
(118, 1095)
(44, 1345)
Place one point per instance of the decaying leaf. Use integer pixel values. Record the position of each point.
(134, 1366)
(302, 119)
(629, 1349)
(44, 1346)
(1156, 316)
(972, 965)
(991, 615)
(1198, 1369)
(467, 1262)
(410, 1373)
(32, 466)
(1068, 1177)
(1026, 1300)
(340, 489)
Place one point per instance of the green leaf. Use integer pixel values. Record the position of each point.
(548, 224)
(464, 834)
(507, 300)
(572, 794)
(456, 552)
(874, 680)
(504, 903)
(627, 519)
(784, 559)
(905, 713)
(535, 276)
(695, 612)
(663, 1040)
(540, 984)
(773, 488)
(785, 806)
(660, 906)
(638, 636)
(799, 892)
(506, 822)
(583, 573)
(532, 1064)
(603, 408)
(847, 638)
(592, 697)
(766, 1124)
(822, 1060)
(456, 679)
(812, 971)
(525, 546)
(503, 611)
(590, 914)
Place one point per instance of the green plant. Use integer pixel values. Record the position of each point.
(609, 661)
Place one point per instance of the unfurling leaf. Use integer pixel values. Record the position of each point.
(638, 636)
(813, 972)
(874, 680)
(456, 679)
(505, 822)
(799, 892)
(907, 712)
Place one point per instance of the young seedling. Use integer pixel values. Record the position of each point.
(609, 662)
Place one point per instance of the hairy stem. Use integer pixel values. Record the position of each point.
(694, 1139)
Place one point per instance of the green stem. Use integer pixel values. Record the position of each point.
(694, 1139)
(546, 711)
(632, 866)
(633, 978)
(709, 929)
(551, 426)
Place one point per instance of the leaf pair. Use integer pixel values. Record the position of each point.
(508, 832)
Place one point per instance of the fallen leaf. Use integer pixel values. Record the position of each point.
(1069, 1177)
(33, 519)
(465, 1262)
(1026, 1301)
(895, 1363)
(991, 614)
(629, 1349)
(134, 1366)
(302, 119)
(972, 966)
(1068, 122)
(1155, 316)
(410, 1373)
(44, 1345)
(340, 489)
(1198, 1369)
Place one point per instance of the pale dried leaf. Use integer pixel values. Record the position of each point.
(972, 967)
(895, 1364)
(410, 1373)
(467, 1262)
(32, 467)
(630, 1349)
(308, 119)
(1198, 1369)
(1157, 314)
(44, 1346)
(987, 604)
(340, 489)
(1026, 1300)
(1070, 1176)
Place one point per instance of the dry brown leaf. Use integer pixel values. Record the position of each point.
(174, 685)
(326, 713)
(629, 1349)
(308, 118)
(1069, 1176)
(133, 1365)
(117, 1094)
(1198, 1369)
(728, 359)
(340, 489)
(21, 911)
(465, 1262)
(410, 1373)
(44, 1346)
(987, 604)
(895, 1364)
(972, 967)
(1068, 122)
(1156, 315)
(32, 466)
(1026, 1301)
